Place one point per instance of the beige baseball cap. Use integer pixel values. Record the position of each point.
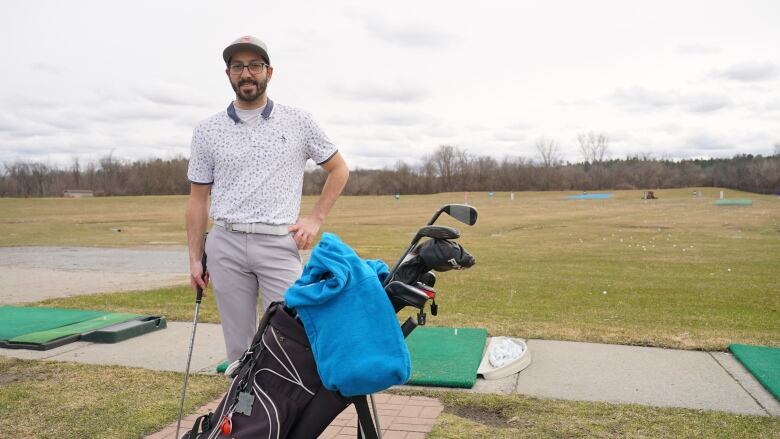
(247, 42)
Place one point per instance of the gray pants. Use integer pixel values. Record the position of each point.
(241, 263)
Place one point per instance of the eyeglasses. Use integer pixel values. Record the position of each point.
(254, 67)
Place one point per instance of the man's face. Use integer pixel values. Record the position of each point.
(249, 86)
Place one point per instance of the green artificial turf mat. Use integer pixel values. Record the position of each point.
(446, 357)
(763, 362)
(16, 321)
(99, 322)
(734, 202)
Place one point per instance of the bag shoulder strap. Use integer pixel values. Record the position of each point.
(202, 425)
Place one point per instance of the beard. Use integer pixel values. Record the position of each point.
(243, 96)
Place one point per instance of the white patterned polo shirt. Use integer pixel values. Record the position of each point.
(256, 169)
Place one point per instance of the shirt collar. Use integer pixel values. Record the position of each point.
(269, 107)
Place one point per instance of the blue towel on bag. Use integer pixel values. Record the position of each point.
(349, 320)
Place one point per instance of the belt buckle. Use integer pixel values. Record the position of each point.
(229, 227)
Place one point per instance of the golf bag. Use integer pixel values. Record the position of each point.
(276, 391)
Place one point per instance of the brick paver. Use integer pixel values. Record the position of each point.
(401, 417)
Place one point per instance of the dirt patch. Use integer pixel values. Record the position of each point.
(8, 378)
(15, 375)
(646, 227)
(536, 227)
(480, 416)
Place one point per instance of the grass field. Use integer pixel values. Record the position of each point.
(674, 272)
(42, 399)
(677, 272)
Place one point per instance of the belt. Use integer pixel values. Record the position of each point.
(260, 228)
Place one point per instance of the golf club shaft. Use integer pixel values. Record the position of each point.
(389, 277)
(435, 217)
(189, 359)
(198, 299)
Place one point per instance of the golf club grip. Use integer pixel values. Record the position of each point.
(199, 290)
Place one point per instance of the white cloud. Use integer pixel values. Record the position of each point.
(707, 142)
(641, 99)
(396, 92)
(698, 49)
(43, 67)
(749, 71)
(402, 118)
(508, 136)
(407, 31)
(705, 102)
(166, 93)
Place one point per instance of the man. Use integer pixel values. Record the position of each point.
(251, 157)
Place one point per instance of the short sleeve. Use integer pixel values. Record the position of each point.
(201, 166)
(318, 146)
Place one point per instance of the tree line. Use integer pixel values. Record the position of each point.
(109, 176)
(448, 169)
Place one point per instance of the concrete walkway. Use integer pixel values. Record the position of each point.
(641, 375)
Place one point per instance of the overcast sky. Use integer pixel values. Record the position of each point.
(389, 82)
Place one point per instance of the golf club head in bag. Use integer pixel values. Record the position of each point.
(461, 212)
(433, 254)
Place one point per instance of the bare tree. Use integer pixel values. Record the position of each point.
(549, 151)
(403, 177)
(19, 174)
(582, 138)
(594, 147)
(601, 150)
(75, 172)
(465, 176)
(483, 173)
(444, 160)
(777, 149)
(428, 174)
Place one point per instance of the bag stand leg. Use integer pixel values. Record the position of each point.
(376, 416)
(366, 428)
